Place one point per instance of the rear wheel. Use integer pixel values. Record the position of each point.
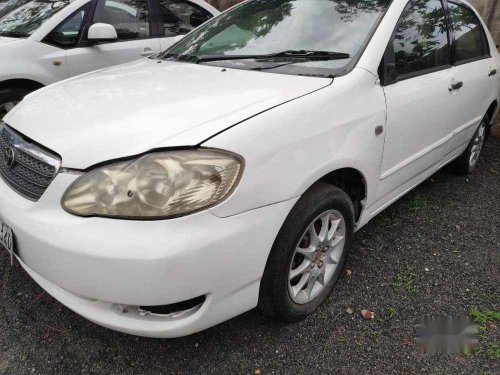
(9, 97)
(308, 255)
(468, 161)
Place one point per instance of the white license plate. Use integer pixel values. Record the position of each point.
(7, 239)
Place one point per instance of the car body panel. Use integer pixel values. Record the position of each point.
(128, 319)
(291, 131)
(466, 114)
(86, 59)
(412, 154)
(416, 139)
(5, 40)
(290, 159)
(131, 122)
(33, 59)
(40, 63)
(107, 268)
(132, 252)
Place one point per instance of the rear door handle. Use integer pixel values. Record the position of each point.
(492, 73)
(455, 86)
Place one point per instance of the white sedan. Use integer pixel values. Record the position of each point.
(168, 195)
(42, 42)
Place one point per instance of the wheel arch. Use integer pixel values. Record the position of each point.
(27, 84)
(491, 112)
(353, 182)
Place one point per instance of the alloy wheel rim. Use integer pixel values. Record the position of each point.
(6, 108)
(316, 257)
(477, 145)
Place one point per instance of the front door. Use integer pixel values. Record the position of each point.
(417, 98)
(131, 21)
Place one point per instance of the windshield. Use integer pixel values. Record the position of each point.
(8, 6)
(26, 18)
(301, 28)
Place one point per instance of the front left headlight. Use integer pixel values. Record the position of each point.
(156, 186)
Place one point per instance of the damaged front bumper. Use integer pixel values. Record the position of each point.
(114, 272)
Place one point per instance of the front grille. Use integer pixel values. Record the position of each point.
(24, 166)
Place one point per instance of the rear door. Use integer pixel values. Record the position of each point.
(136, 37)
(417, 96)
(474, 75)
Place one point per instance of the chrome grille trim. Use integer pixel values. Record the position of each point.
(34, 168)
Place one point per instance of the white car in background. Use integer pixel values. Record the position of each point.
(10, 5)
(44, 41)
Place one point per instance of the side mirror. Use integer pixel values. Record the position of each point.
(102, 32)
(387, 68)
(390, 74)
(197, 19)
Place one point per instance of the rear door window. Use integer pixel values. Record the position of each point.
(470, 40)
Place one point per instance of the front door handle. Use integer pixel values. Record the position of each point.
(492, 73)
(455, 86)
(147, 52)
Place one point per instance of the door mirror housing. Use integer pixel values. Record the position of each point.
(102, 32)
(389, 75)
(387, 69)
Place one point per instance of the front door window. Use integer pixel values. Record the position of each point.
(421, 40)
(129, 17)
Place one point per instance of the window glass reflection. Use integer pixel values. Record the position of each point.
(469, 38)
(271, 26)
(421, 40)
(27, 18)
(130, 18)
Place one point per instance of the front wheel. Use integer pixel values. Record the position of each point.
(308, 255)
(9, 97)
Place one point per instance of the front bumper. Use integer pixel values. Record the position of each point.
(97, 266)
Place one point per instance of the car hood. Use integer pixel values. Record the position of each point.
(4, 40)
(137, 107)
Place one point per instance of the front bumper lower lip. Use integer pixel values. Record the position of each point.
(128, 319)
(96, 266)
(123, 318)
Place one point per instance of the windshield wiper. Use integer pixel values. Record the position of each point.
(291, 54)
(13, 34)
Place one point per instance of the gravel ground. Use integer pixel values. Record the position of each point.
(436, 251)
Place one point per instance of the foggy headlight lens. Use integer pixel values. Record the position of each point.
(158, 185)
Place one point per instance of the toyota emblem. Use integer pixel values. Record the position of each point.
(10, 157)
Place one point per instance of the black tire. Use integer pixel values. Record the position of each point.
(463, 165)
(11, 94)
(274, 298)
